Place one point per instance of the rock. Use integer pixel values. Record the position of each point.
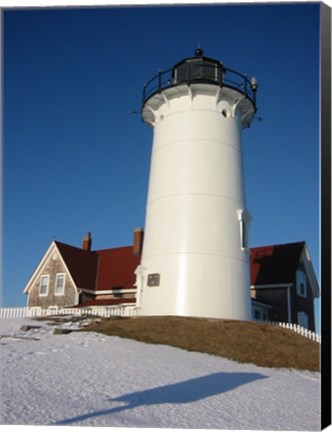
(29, 327)
(58, 331)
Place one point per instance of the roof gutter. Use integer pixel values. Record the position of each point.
(112, 291)
(271, 286)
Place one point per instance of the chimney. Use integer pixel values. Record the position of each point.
(87, 242)
(138, 241)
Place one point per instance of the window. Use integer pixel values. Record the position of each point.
(244, 218)
(260, 313)
(197, 69)
(301, 283)
(302, 319)
(257, 314)
(59, 284)
(43, 286)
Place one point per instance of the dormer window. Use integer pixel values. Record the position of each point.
(301, 284)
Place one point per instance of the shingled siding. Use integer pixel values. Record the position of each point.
(53, 266)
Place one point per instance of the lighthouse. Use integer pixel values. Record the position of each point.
(195, 258)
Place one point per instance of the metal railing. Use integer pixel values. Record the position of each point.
(215, 74)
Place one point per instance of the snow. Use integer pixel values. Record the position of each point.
(89, 379)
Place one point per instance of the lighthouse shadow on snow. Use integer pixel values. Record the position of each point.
(177, 393)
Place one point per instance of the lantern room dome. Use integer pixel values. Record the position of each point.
(198, 68)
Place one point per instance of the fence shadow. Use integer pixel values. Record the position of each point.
(179, 393)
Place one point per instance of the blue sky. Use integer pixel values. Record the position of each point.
(75, 157)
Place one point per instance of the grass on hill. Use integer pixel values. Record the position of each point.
(264, 345)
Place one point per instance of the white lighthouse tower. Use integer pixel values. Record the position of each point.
(195, 259)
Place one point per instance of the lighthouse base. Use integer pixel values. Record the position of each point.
(195, 286)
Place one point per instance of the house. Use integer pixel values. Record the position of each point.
(283, 282)
(68, 276)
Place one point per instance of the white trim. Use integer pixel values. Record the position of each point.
(272, 286)
(309, 270)
(140, 273)
(289, 309)
(114, 291)
(119, 305)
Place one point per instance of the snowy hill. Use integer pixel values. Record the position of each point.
(89, 379)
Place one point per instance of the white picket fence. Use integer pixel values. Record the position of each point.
(297, 329)
(26, 312)
(301, 330)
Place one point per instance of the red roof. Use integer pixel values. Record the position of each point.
(105, 269)
(81, 264)
(116, 268)
(275, 264)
